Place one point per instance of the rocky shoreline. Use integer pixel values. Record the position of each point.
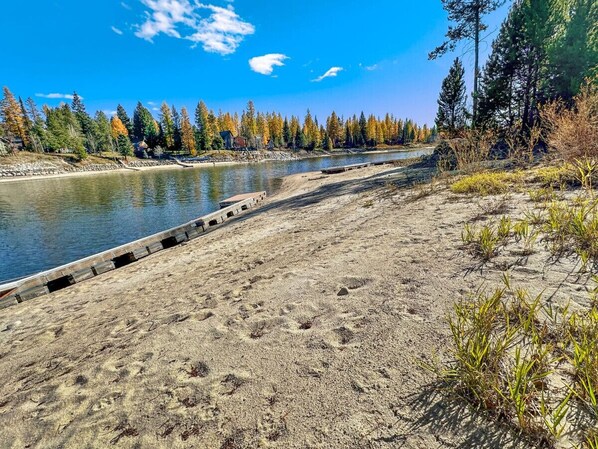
(46, 168)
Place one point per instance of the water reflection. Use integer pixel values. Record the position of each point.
(46, 223)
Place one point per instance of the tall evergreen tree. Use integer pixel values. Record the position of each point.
(166, 127)
(202, 123)
(144, 126)
(452, 109)
(574, 55)
(363, 130)
(176, 134)
(467, 16)
(121, 113)
(287, 137)
(104, 132)
(123, 144)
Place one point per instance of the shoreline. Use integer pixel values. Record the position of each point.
(200, 165)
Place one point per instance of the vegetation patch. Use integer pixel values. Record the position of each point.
(527, 362)
(487, 183)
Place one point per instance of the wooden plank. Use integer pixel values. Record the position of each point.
(103, 267)
(82, 275)
(258, 196)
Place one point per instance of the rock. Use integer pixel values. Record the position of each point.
(344, 291)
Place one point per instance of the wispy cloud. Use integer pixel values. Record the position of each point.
(125, 5)
(330, 73)
(371, 68)
(221, 31)
(265, 64)
(55, 96)
(116, 30)
(110, 113)
(152, 103)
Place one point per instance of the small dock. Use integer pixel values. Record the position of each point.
(344, 168)
(40, 284)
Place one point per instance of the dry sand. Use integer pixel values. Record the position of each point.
(242, 338)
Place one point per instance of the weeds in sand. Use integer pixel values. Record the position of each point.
(524, 233)
(483, 243)
(554, 419)
(591, 439)
(507, 349)
(572, 228)
(542, 195)
(486, 183)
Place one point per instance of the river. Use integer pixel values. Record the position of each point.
(45, 223)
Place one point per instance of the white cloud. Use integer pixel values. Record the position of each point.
(220, 32)
(371, 68)
(151, 103)
(110, 113)
(265, 64)
(55, 96)
(116, 30)
(125, 5)
(332, 72)
(155, 109)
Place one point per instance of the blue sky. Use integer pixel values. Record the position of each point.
(111, 51)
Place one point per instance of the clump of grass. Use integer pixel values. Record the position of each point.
(524, 233)
(572, 229)
(542, 195)
(558, 176)
(482, 243)
(486, 241)
(487, 183)
(507, 348)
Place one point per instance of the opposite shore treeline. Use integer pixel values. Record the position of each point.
(70, 127)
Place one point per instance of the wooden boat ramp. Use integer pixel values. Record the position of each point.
(64, 276)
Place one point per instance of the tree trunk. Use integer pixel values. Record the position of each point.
(476, 68)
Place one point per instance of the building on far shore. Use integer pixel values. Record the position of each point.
(229, 139)
(240, 143)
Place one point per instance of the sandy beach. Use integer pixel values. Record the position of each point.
(301, 324)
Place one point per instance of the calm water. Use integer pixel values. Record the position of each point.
(49, 222)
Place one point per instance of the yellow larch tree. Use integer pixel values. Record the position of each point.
(187, 134)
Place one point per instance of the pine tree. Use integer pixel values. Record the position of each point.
(574, 56)
(166, 127)
(467, 14)
(144, 126)
(104, 133)
(363, 130)
(176, 134)
(63, 131)
(300, 141)
(287, 137)
(452, 109)
(249, 123)
(124, 118)
(187, 134)
(204, 134)
(38, 128)
(123, 144)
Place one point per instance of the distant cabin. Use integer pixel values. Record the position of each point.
(229, 139)
(240, 143)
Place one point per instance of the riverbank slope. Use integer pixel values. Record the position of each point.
(301, 324)
(25, 165)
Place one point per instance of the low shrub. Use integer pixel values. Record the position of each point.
(487, 183)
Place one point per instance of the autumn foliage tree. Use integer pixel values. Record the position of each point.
(13, 117)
